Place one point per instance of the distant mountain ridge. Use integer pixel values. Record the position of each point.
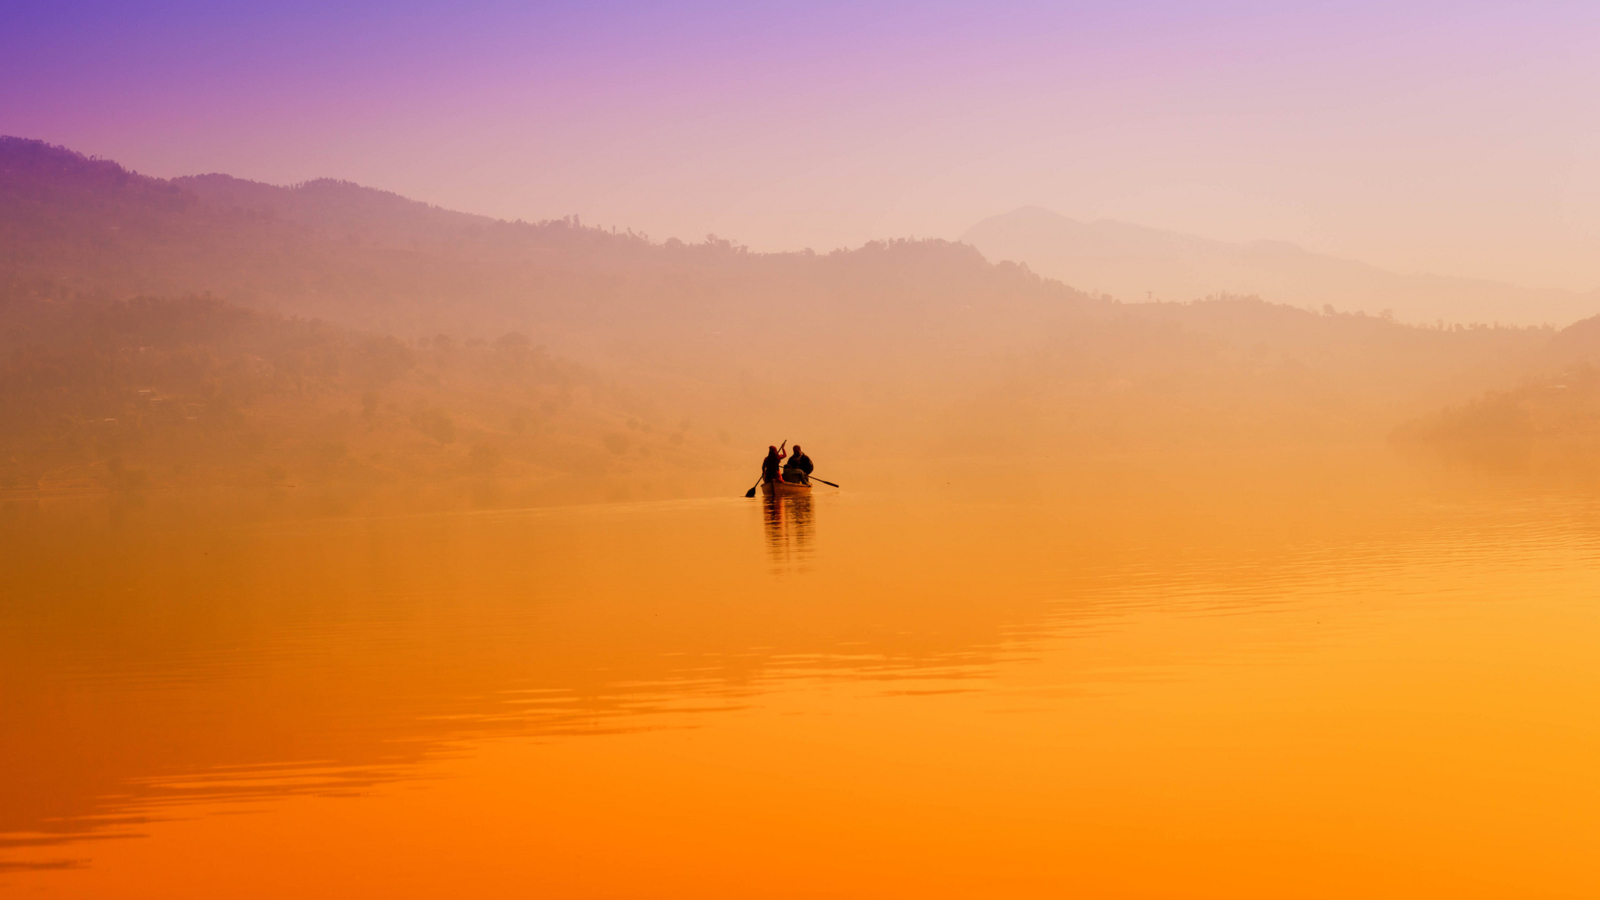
(1134, 263)
(336, 209)
(374, 260)
(907, 343)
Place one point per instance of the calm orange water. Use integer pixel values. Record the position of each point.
(1356, 678)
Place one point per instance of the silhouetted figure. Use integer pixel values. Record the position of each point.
(771, 466)
(798, 469)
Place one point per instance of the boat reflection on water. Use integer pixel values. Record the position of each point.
(789, 527)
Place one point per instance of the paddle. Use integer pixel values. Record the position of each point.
(752, 492)
(828, 483)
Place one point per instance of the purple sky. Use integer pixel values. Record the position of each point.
(1457, 137)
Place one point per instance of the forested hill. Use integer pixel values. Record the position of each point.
(903, 344)
(151, 392)
(90, 226)
(373, 260)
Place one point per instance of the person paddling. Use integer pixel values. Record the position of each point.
(798, 469)
(771, 466)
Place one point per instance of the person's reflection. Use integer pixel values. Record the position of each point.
(788, 521)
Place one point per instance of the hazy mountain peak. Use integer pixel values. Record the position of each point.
(1136, 262)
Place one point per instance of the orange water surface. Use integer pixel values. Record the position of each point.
(1349, 678)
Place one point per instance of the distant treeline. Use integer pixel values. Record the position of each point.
(1565, 405)
(157, 390)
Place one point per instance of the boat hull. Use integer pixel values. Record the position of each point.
(784, 489)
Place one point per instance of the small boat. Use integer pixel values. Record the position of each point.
(784, 489)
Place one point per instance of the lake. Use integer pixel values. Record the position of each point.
(1348, 675)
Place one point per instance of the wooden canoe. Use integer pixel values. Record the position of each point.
(784, 489)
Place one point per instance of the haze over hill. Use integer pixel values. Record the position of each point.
(895, 348)
(1134, 263)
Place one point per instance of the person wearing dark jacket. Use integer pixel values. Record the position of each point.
(798, 469)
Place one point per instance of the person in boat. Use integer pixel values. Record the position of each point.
(798, 469)
(772, 465)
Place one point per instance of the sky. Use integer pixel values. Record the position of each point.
(1457, 138)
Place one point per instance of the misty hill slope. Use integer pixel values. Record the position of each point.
(153, 391)
(1132, 262)
(91, 227)
(373, 260)
(895, 344)
(1551, 412)
(339, 210)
